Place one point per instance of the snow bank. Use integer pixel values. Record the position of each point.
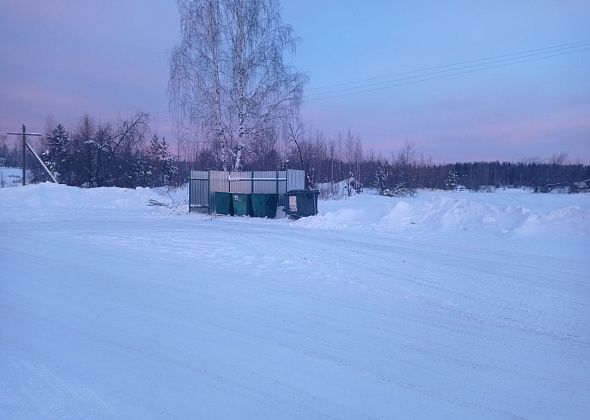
(505, 213)
(55, 196)
(500, 213)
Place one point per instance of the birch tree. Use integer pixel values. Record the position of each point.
(228, 75)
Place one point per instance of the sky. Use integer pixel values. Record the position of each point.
(109, 58)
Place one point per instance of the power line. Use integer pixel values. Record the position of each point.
(515, 55)
(421, 77)
(444, 76)
(508, 61)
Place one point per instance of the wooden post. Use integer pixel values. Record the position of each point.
(24, 156)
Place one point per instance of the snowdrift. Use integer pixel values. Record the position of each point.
(502, 213)
(55, 196)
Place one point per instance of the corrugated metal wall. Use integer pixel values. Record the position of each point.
(295, 179)
(199, 192)
(283, 184)
(204, 184)
(240, 182)
(218, 182)
(267, 182)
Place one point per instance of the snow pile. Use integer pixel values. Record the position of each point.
(175, 199)
(570, 220)
(443, 213)
(48, 196)
(506, 213)
(497, 213)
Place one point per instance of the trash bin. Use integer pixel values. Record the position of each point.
(223, 203)
(265, 205)
(242, 204)
(302, 203)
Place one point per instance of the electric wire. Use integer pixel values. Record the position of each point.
(513, 54)
(429, 76)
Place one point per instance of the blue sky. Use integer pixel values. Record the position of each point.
(110, 58)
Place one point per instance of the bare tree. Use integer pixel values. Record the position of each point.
(558, 159)
(228, 76)
(353, 150)
(349, 145)
(407, 154)
(296, 135)
(332, 157)
(358, 158)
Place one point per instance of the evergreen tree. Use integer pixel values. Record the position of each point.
(162, 168)
(452, 180)
(56, 156)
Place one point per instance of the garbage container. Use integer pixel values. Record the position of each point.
(242, 204)
(302, 203)
(224, 203)
(265, 205)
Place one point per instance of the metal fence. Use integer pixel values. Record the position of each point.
(204, 185)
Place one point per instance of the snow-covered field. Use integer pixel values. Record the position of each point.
(444, 305)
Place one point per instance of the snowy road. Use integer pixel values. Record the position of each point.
(439, 306)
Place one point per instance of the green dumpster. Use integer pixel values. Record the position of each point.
(242, 204)
(302, 203)
(265, 205)
(224, 203)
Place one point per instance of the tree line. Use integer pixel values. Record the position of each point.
(329, 160)
(127, 153)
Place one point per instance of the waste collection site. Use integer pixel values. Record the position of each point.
(446, 304)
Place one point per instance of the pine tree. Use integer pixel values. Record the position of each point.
(162, 168)
(452, 180)
(56, 156)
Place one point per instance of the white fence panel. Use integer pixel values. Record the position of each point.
(282, 182)
(295, 179)
(266, 182)
(240, 182)
(218, 182)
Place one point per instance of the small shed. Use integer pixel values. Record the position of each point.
(204, 184)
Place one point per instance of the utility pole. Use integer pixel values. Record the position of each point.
(27, 145)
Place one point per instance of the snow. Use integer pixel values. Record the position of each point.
(513, 215)
(336, 190)
(443, 305)
(11, 177)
